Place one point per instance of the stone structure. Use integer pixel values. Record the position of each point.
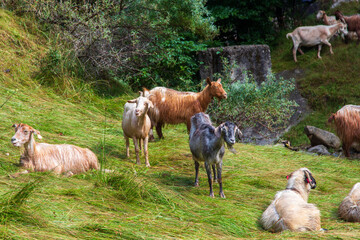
(253, 58)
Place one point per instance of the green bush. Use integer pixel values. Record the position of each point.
(249, 104)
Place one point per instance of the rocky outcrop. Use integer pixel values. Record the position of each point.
(319, 149)
(253, 58)
(318, 136)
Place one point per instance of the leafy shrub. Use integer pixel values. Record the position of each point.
(249, 104)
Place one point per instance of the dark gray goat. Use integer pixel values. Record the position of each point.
(207, 145)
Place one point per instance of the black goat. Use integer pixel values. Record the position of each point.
(207, 145)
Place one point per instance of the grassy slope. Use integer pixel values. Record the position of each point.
(135, 202)
(330, 83)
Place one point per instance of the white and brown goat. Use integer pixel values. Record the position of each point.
(349, 209)
(59, 158)
(290, 209)
(136, 125)
(314, 35)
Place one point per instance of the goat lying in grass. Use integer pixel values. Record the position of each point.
(314, 35)
(59, 158)
(207, 145)
(349, 209)
(290, 210)
(136, 125)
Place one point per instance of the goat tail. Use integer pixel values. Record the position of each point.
(288, 35)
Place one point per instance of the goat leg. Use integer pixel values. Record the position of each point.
(208, 171)
(196, 173)
(159, 130)
(146, 140)
(219, 170)
(136, 150)
(127, 147)
(214, 171)
(319, 49)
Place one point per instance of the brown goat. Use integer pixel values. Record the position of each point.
(353, 22)
(347, 124)
(60, 158)
(174, 107)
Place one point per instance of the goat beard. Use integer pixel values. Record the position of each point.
(230, 147)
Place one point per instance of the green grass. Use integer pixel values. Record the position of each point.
(135, 202)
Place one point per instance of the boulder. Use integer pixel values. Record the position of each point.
(319, 149)
(318, 136)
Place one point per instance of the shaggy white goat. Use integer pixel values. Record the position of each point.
(60, 158)
(349, 209)
(290, 210)
(136, 125)
(314, 35)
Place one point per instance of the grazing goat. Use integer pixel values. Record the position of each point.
(349, 209)
(328, 20)
(173, 107)
(347, 124)
(207, 145)
(314, 35)
(290, 210)
(136, 125)
(59, 158)
(353, 23)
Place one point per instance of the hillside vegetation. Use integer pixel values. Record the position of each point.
(135, 202)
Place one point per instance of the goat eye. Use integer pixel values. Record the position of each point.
(26, 132)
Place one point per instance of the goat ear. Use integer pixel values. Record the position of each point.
(208, 81)
(309, 179)
(37, 133)
(219, 80)
(150, 104)
(141, 94)
(15, 125)
(238, 133)
(132, 101)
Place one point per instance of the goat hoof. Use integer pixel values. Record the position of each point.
(222, 195)
(196, 184)
(215, 180)
(212, 195)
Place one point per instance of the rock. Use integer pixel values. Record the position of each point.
(253, 58)
(318, 136)
(319, 149)
(336, 3)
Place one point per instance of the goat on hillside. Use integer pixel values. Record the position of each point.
(174, 107)
(290, 209)
(207, 145)
(59, 158)
(136, 125)
(347, 124)
(314, 35)
(328, 20)
(353, 22)
(349, 209)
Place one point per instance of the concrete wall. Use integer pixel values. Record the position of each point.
(253, 58)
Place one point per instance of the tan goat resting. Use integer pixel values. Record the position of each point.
(59, 158)
(136, 125)
(290, 210)
(349, 209)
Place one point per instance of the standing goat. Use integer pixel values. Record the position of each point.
(328, 20)
(353, 23)
(347, 124)
(136, 125)
(349, 209)
(59, 158)
(207, 145)
(314, 35)
(290, 210)
(175, 107)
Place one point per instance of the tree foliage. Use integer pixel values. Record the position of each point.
(142, 43)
